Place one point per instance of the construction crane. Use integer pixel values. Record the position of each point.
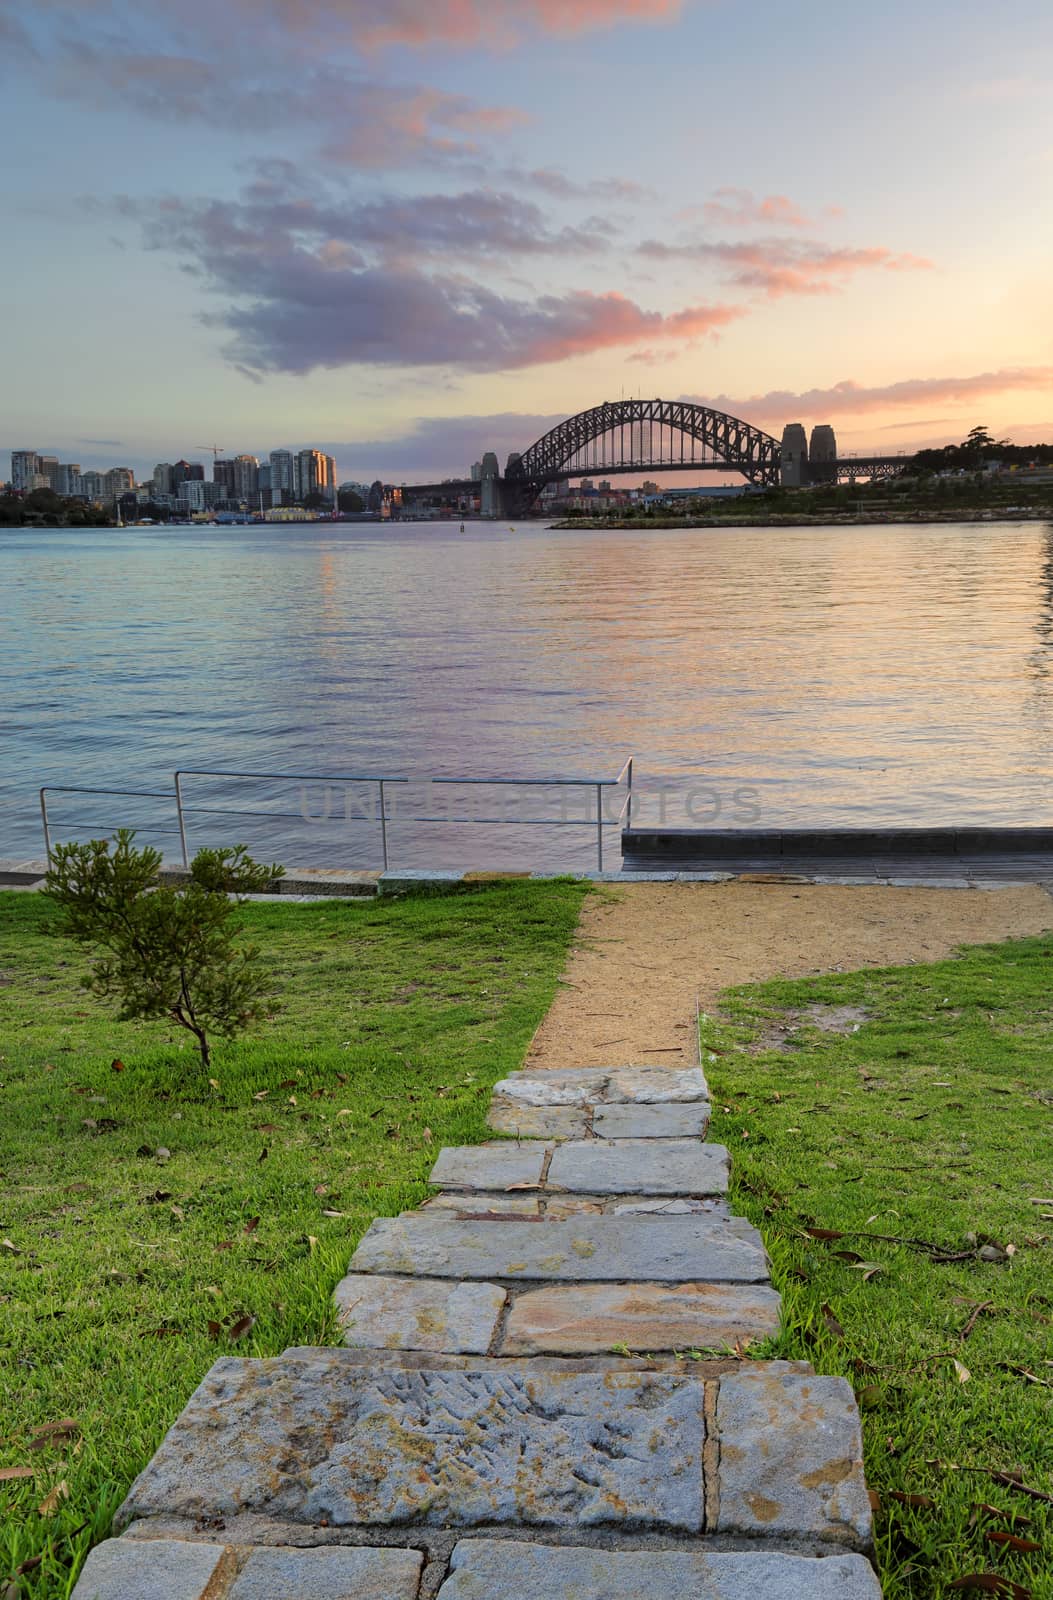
(217, 451)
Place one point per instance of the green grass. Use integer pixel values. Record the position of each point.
(123, 1273)
(933, 1123)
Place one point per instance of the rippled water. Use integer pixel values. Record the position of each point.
(897, 675)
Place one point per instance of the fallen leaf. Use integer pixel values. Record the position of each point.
(50, 1503)
(241, 1328)
(963, 1373)
(321, 1189)
(49, 1429)
(1011, 1541)
(264, 1153)
(981, 1508)
(7, 1474)
(262, 1094)
(288, 1083)
(117, 1065)
(5, 1244)
(213, 1083)
(334, 1213)
(252, 1224)
(312, 1243)
(214, 1330)
(823, 1233)
(920, 1502)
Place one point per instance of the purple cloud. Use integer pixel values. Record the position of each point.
(780, 267)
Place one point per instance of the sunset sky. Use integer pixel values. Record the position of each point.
(411, 230)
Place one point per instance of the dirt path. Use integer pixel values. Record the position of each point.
(646, 954)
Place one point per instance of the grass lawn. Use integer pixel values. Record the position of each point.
(919, 1151)
(124, 1271)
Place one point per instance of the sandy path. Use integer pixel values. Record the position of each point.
(645, 954)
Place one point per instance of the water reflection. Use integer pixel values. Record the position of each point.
(878, 674)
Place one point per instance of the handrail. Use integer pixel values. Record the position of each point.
(589, 783)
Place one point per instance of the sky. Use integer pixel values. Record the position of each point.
(409, 231)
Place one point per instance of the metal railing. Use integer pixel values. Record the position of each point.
(594, 787)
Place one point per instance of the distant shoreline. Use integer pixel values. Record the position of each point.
(851, 520)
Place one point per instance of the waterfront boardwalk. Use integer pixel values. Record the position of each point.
(544, 1393)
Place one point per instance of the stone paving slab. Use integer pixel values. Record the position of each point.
(791, 1458)
(591, 1318)
(495, 1166)
(537, 1122)
(670, 1121)
(418, 1314)
(583, 1249)
(162, 1569)
(641, 1166)
(583, 1086)
(493, 1569)
(333, 1574)
(312, 1437)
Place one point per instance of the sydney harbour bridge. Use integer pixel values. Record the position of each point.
(648, 436)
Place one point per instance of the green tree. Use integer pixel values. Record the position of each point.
(315, 500)
(350, 500)
(163, 951)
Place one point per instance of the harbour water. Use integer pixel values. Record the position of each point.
(895, 675)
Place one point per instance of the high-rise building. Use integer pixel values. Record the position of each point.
(70, 479)
(246, 477)
(49, 469)
(283, 475)
(187, 472)
(164, 477)
(223, 473)
(315, 473)
(25, 469)
(92, 485)
(118, 481)
(202, 496)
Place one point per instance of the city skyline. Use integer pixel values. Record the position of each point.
(410, 232)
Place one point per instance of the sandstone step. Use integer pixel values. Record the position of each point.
(598, 1249)
(628, 1166)
(552, 1207)
(499, 1569)
(177, 1569)
(676, 1120)
(418, 1313)
(537, 1122)
(591, 1318)
(641, 1166)
(316, 1439)
(313, 1438)
(583, 1086)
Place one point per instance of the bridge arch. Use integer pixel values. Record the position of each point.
(627, 431)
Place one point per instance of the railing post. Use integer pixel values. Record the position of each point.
(182, 823)
(629, 809)
(383, 823)
(599, 826)
(44, 819)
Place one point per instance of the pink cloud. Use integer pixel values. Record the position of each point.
(380, 23)
(779, 267)
(741, 209)
(851, 398)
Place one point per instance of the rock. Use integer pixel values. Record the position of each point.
(312, 1437)
(641, 1166)
(418, 1314)
(641, 1086)
(536, 1122)
(498, 1569)
(329, 1574)
(523, 1205)
(791, 1459)
(664, 1207)
(572, 1088)
(670, 1121)
(592, 1318)
(499, 1165)
(158, 1569)
(581, 1249)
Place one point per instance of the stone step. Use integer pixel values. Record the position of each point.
(177, 1569)
(554, 1207)
(590, 1086)
(585, 1319)
(504, 1569)
(314, 1439)
(444, 1316)
(629, 1166)
(596, 1249)
(673, 1121)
